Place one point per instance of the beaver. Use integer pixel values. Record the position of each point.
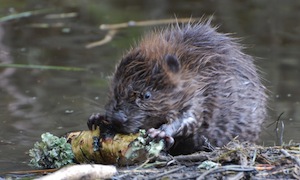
(187, 84)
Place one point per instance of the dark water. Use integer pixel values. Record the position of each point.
(34, 101)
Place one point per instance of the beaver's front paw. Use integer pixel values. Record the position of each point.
(94, 121)
(158, 134)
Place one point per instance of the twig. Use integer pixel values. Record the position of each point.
(254, 157)
(192, 157)
(207, 144)
(143, 164)
(279, 130)
(237, 168)
(109, 36)
(287, 154)
(146, 23)
(33, 66)
(128, 171)
(37, 171)
(46, 25)
(238, 176)
(276, 172)
(25, 14)
(95, 171)
(167, 172)
(243, 161)
(112, 28)
(62, 15)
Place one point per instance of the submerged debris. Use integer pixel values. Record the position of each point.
(236, 160)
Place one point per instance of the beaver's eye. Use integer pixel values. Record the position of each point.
(147, 95)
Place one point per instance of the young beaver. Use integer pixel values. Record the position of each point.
(187, 84)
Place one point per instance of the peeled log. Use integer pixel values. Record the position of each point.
(89, 147)
(84, 171)
(94, 147)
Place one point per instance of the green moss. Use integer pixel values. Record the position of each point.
(144, 147)
(52, 152)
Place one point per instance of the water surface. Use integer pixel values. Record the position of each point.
(34, 101)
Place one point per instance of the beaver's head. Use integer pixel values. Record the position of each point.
(153, 84)
(143, 91)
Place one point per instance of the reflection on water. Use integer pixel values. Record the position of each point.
(34, 101)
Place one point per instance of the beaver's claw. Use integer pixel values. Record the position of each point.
(94, 121)
(158, 134)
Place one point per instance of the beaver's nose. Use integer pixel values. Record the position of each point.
(117, 118)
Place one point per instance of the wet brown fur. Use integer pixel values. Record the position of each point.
(213, 90)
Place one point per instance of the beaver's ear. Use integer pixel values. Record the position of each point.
(172, 63)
